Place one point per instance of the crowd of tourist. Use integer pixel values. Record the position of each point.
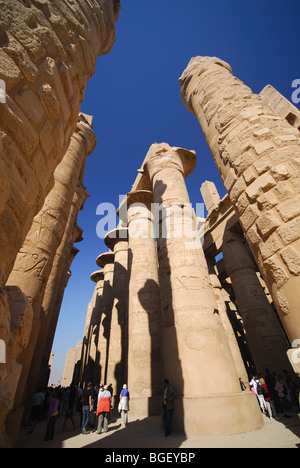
(92, 404)
(276, 394)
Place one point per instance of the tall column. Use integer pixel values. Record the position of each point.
(33, 264)
(144, 328)
(106, 262)
(265, 336)
(233, 344)
(257, 154)
(117, 241)
(92, 358)
(197, 357)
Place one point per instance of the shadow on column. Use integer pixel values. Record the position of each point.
(121, 296)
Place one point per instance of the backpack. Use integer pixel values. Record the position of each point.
(259, 390)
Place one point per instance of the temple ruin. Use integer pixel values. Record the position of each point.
(194, 300)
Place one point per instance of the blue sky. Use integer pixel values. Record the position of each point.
(135, 100)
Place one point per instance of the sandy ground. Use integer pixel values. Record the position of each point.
(148, 433)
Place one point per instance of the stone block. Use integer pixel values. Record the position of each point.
(291, 258)
(290, 231)
(267, 223)
(270, 246)
(262, 184)
(289, 209)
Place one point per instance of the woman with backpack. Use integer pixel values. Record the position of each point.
(268, 399)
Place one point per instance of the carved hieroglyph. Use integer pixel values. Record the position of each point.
(258, 156)
(48, 52)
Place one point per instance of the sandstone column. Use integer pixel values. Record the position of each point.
(48, 52)
(34, 261)
(234, 347)
(258, 155)
(265, 336)
(144, 314)
(197, 357)
(92, 356)
(117, 241)
(106, 262)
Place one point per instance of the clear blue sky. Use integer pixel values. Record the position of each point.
(135, 100)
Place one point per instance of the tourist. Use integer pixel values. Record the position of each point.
(52, 415)
(69, 414)
(243, 386)
(257, 390)
(37, 404)
(168, 407)
(124, 405)
(86, 407)
(267, 398)
(282, 394)
(103, 410)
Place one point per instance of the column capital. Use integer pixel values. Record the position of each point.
(97, 276)
(105, 258)
(161, 156)
(140, 196)
(115, 236)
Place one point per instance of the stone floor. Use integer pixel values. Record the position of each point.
(148, 433)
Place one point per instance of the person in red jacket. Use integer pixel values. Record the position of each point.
(268, 399)
(103, 409)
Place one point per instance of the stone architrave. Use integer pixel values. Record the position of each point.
(257, 154)
(144, 309)
(197, 358)
(106, 262)
(267, 342)
(117, 241)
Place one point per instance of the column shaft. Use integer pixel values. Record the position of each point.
(196, 350)
(144, 329)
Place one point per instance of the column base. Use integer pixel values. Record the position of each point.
(141, 408)
(217, 415)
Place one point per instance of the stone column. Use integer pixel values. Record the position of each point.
(197, 357)
(106, 262)
(265, 336)
(35, 259)
(233, 344)
(92, 357)
(257, 154)
(117, 241)
(144, 329)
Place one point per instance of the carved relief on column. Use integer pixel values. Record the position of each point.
(48, 53)
(196, 350)
(117, 241)
(144, 313)
(257, 154)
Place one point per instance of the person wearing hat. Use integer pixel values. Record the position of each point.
(124, 405)
(103, 409)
